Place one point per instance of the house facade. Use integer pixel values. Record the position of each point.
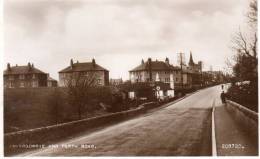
(153, 71)
(24, 77)
(97, 72)
(157, 74)
(162, 71)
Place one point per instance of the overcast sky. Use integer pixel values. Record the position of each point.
(119, 33)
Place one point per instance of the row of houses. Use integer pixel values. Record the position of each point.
(30, 76)
(176, 77)
(162, 71)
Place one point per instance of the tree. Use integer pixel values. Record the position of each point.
(55, 101)
(252, 14)
(245, 45)
(79, 85)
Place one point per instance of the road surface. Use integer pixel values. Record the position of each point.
(181, 129)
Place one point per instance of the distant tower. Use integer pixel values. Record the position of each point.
(191, 60)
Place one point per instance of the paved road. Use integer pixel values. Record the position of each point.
(181, 129)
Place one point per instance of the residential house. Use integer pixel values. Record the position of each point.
(88, 69)
(24, 77)
(155, 73)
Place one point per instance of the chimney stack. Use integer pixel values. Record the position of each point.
(142, 61)
(8, 67)
(167, 61)
(29, 65)
(93, 62)
(71, 63)
(32, 65)
(149, 60)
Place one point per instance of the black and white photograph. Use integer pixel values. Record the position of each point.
(130, 78)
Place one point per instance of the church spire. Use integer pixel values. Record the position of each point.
(191, 59)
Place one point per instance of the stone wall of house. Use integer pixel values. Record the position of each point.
(25, 80)
(100, 76)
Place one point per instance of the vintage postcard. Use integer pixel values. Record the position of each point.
(130, 78)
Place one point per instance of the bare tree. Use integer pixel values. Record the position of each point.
(252, 14)
(79, 85)
(245, 46)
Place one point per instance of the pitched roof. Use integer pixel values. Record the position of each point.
(22, 70)
(87, 66)
(155, 65)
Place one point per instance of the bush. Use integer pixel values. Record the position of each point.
(245, 94)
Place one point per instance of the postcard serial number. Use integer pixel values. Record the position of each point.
(232, 146)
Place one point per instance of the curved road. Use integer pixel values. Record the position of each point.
(181, 129)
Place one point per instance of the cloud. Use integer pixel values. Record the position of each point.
(50, 32)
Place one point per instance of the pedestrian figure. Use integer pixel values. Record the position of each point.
(222, 86)
(223, 97)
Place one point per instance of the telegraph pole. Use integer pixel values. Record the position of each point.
(181, 73)
(181, 61)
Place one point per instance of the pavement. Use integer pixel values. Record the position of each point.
(181, 129)
(231, 138)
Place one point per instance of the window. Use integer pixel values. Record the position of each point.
(34, 84)
(167, 80)
(99, 82)
(22, 84)
(11, 77)
(21, 77)
(11, 84)
(33, 76)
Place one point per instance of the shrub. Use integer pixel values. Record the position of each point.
(245, 94)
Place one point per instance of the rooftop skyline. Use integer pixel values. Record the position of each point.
(119, 33)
